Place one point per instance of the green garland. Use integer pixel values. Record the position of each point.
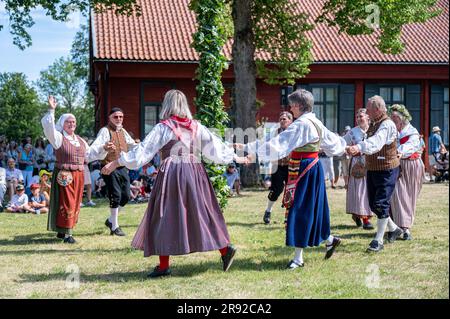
(212, 33)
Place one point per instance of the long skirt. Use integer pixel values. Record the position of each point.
(183, 215)
(308, 221)
(407, 189)
(357, 197)
(65, 203)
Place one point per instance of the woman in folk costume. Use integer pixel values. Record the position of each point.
(183, 215)
(308, 216)
(357, 202)
(68, 176)
(409, 184)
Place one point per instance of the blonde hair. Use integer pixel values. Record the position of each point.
(175, 103)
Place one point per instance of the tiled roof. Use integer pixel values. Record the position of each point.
(164, 33)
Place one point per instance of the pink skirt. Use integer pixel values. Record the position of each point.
(357, 197)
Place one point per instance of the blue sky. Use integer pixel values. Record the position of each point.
(51, 40)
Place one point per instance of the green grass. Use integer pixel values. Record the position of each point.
(34, 263)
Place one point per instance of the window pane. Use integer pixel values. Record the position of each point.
(397, 95)
(331, 117)
(331, 94)
(318, 110)
(385, 93)
(445, 94)
(318, 94)
(150, 117)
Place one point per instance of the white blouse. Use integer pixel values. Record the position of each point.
(298, 134)
(211, 146)
(412, 145)
(104, 137)
(56, 139)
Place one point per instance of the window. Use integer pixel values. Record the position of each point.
(445, 128)
(151, 117)
(393, 94)
(326, 106)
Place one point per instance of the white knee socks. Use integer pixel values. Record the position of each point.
(298, 258)
(114, 218)
(269, 205)
(381, 227)
(391, 225)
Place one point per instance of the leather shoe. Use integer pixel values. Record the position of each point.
(228, 258)
(357, 220)
(118, 232)
(157, 272)
(336, 242)
(393, 235)
(375, 246)
(69, 240)
(108, 223)
(266, 217)
(60, 235)
(368, 226)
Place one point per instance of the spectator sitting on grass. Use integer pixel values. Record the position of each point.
(2, 187)
(45, 184)
(13, 177)
(19, 201)
(37, 203)
(233, 181)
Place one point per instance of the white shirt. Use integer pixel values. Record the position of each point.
(56, 138)
(385, 135)
(19, 200)
(14, 173)
(298, 134)
(104, 137)
(412, 145)
(212, 147)
(2, 177)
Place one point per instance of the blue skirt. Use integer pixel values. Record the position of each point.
(308, 222)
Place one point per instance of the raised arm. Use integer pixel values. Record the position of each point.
(48, 124)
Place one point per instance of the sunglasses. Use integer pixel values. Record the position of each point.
(118, 116)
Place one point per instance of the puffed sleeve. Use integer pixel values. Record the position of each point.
(50, 132)
(213, 148)
(410, 147)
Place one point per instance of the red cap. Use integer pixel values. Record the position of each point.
(33, 186)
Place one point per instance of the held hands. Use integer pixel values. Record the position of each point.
(109, 168)
(109, 146)
(52, 102)
(352, 150)
(238, 146)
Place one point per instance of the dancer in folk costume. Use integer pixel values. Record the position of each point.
(118, 182)
(407, 189)
(357, 202)
(382, 163)
(308, 216)
(183, 215)
(72, 152)
(279, 178)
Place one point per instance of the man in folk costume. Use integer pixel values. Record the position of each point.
(118, 182)
(279, 177)
(308, 216)
(383, 167)
(407, 189)
(72, 152)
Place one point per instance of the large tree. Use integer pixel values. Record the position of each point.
(20, 108)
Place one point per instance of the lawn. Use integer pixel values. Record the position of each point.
(34, 264)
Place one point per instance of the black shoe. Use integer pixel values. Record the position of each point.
(375, 246)
(293, 264)
(157, 272)
(357, 220)
(266, 217)
(69, 240)
(108, 224)
(117, 232)
(393, 235)
(336, 242)
(60, 235)
(228, 258)
(406, 236)
(368, 226)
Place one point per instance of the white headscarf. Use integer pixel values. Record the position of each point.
(60, 124)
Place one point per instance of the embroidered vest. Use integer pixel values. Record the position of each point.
(118, 139)
(386, 158)
(311, 147)
(70, 157)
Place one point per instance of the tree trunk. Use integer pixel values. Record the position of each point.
(244, 102)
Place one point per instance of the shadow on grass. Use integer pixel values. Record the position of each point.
(178, 271)
(42, 238)
(77, 251)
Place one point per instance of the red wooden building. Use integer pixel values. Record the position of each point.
(135, 60)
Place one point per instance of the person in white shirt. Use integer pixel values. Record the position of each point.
(118, 182)
(19, 201)
(68, 177)
(305, 198)
(2, 187)
(383, 167)
(13, 177)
